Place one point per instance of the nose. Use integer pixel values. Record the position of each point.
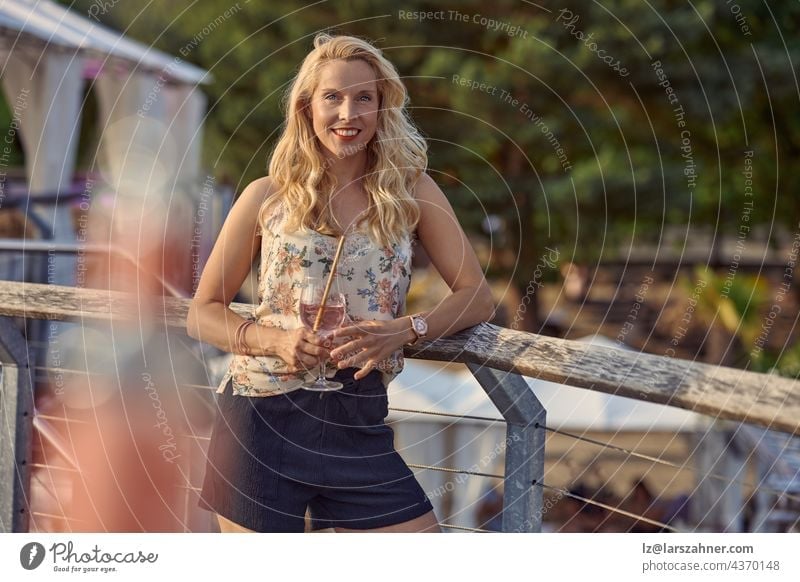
(347, 110)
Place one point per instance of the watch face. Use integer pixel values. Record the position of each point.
(420, 326)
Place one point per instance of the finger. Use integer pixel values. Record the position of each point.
(353, 346)
(350, 330)
(308, 344)
(314, 350)
(308, 360)
(315, 338)
(365, 370)
(326, 341)
(301, 365)
(354, 359)
(322, 352)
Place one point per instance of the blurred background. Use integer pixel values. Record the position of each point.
(624, 171)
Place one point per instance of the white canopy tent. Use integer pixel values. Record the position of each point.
(48, 53)
(150, 115)
(454, 390)
(479, 445)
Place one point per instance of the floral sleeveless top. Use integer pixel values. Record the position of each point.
(374, 280)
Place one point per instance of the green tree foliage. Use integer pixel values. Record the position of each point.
(581, 78)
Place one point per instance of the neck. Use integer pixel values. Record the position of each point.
(349, 170)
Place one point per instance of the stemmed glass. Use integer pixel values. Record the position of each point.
(333, 316)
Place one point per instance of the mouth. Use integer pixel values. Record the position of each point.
(346, 132)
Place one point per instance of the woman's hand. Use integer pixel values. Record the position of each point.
(301, 348)
(369, 343)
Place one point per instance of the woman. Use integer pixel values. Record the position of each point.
(349, 161)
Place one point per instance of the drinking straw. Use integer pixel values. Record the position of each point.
(331, 275)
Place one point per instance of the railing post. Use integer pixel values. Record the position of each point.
(16, 428)
(525, 441)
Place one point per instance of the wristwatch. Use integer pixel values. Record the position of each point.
(419, 326)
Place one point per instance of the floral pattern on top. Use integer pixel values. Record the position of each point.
(381, 295)
(374, 279)
(290, 260)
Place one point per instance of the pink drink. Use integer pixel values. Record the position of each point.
(332, 316)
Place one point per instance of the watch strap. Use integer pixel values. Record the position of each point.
(417, 336)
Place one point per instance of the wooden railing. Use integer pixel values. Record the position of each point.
(498, 358)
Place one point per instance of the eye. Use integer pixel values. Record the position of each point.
(367, 97)
(329, 95)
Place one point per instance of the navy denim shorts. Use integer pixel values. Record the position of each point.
(270, 458)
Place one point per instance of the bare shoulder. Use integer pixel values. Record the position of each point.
(257, 191)
(253, 197)
(426, 189)
(434, 207)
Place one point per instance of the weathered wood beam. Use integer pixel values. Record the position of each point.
(766, 400)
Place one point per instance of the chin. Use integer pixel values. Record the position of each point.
(347, 150)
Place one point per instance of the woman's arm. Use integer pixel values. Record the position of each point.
(210, 319)
(450, 252)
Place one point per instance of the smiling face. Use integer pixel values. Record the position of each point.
(344, 107)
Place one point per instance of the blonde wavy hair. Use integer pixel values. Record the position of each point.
(396, 155)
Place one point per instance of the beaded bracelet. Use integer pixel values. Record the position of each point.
(239, 344)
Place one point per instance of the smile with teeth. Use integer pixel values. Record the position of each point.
(346, 132)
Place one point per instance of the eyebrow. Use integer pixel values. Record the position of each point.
(339, 90)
